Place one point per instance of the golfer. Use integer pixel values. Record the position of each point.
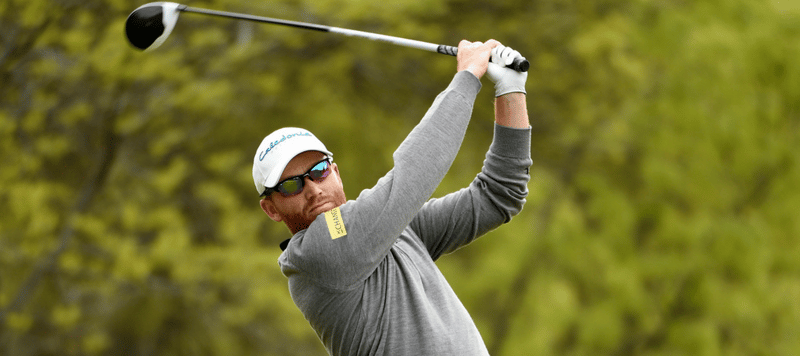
(362, 271)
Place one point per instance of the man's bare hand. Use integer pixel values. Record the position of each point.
(474, 56)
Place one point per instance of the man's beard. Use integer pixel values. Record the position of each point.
(296, 223)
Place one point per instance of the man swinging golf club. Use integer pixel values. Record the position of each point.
(362, 271)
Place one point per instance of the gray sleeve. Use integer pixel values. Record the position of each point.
(497, 193)
(377, 217)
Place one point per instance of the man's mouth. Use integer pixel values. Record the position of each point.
(317, 208)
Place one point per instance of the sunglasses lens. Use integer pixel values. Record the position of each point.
(291, 186)
(320, 171)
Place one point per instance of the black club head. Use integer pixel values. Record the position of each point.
(148, 26)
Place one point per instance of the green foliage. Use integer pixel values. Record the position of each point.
(660, 218)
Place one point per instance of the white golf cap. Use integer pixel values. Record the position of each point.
(277, 149)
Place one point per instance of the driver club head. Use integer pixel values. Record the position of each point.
(149, 25)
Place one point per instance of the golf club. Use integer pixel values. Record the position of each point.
(148, 27)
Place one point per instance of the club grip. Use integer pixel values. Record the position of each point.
(520, 64)
(448, 50)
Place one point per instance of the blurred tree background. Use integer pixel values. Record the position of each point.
(662, 218)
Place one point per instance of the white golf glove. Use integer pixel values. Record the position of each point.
(506, 80)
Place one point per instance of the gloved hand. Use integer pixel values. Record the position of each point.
(506, 80)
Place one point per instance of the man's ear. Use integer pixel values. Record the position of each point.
(269, 208)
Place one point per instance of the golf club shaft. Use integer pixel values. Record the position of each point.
(520, 64)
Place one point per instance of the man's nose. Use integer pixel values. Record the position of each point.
(311, 187)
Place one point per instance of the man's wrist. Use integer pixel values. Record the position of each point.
(511, 110)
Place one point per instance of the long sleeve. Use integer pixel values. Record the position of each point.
(492, 199)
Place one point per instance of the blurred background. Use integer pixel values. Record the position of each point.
(662, 215)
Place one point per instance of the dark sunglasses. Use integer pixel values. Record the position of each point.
(294, 185)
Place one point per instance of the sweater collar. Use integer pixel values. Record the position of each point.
(284, 244)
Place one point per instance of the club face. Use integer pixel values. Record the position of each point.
(148, 26)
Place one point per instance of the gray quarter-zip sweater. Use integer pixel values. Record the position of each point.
(364, 276)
